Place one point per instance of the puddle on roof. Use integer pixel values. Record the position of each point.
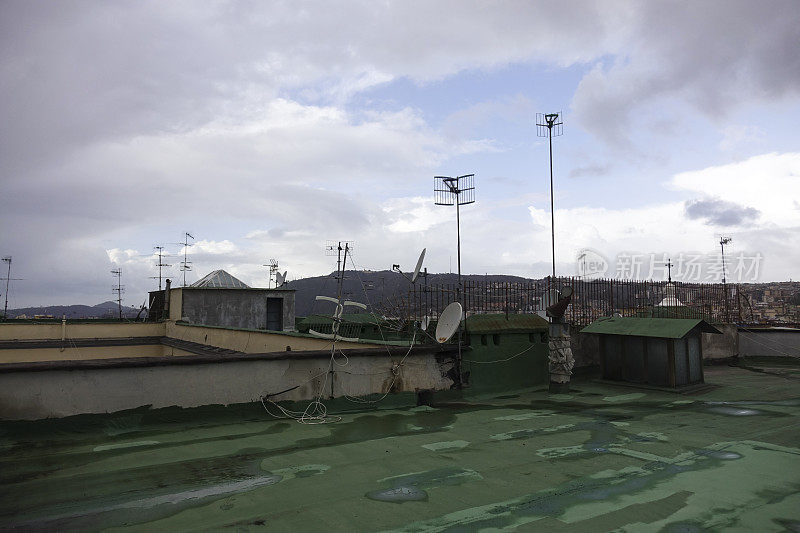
(122, 445)
(447, 445)
(734, 411)
(415, 486)
(628, 482)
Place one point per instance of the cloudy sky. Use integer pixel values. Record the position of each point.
(268, 128)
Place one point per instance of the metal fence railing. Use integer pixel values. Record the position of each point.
(591, 299)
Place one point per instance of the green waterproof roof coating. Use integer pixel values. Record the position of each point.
(601, 458)
(669, 328)
(500, 323)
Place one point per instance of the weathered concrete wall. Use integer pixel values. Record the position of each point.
(84, 330)
(774, 342)
(252, 341)
(725, 346)
(57, 393)
(228, 307)
(232, 307)
(585, 349)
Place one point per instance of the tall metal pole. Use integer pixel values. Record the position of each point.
(546, 123)
(552, 211)
(8, 278)
(458, 234)
(722, 242)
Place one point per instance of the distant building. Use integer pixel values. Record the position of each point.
(220, 299)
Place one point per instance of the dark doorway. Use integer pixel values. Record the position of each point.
(275, 314)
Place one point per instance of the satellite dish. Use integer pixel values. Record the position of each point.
(426, 321)
(449, 322)
(280, 279)
(550, 297)
(566, 292)
(419, 265)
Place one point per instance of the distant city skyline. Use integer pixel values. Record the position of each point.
(266, 130)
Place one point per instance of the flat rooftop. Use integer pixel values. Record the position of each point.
(600, 458)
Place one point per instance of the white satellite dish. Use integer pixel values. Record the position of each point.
(419, 265)
(280, 279)
(426, 321)
(550, 298)
(449, 322)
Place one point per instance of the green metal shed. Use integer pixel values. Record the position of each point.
(505, 352)
(664, 352)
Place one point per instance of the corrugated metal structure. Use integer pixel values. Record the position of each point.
(219, 279)
(664, 352)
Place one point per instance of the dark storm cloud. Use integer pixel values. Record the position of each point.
(720, 213)
(713, 55)
(122, 118)
(589, 170)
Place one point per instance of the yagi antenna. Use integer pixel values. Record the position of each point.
(417, 268)
(449, 322)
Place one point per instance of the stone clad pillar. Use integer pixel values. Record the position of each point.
(560, 357)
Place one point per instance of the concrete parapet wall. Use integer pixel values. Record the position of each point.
(772, 342)
(83, 353)
(40, 392)
(719, 347)
(10, 331)
(249, 341)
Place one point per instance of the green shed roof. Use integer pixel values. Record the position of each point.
(669, 328)
(499, 323)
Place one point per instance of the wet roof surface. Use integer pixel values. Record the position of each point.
(597, 459)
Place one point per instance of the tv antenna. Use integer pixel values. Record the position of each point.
(273, 271)
(186, 264)
(341, 301)
(549, 125)
(456, 191)
(336, 248)
(417, 268)
(119, 289)
(8, 278)
(160, 265)
(722, 242)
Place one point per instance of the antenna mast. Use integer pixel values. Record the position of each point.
(545, 124)
(336, 248)
(161, 263)
(722, 242)
(186, 264)
(8, 278)
(449, 191)
(119, 289)
(273, 269)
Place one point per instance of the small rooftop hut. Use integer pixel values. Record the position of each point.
(505, 352)
(663, 352)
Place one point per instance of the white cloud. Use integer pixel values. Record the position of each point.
(735, 135)
(769, 183)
